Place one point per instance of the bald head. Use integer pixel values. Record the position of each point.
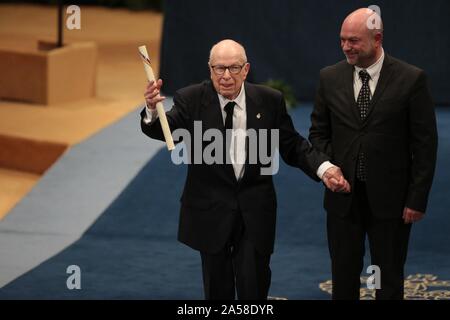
(362, 37)
(229, 48)
(364, 20)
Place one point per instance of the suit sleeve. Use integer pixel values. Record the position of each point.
(177, 117)
(320, 130)
(294, 149)
(423, 144)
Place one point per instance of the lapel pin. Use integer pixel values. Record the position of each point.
(258, 116)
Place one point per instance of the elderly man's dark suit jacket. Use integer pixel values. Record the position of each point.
(398, 136)
(212, 195)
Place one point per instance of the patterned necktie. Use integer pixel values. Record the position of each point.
(363, 107)
(364, 95)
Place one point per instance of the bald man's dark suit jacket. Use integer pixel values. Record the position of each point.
(398, 136)
(212, 195)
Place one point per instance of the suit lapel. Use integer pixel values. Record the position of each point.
(211, 113)
(350, 92)
(252, 102)
(385, 74)
(254, 114)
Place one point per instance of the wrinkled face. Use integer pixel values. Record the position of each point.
(228, 71)
(359, 44)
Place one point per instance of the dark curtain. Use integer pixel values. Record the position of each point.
(292, 40)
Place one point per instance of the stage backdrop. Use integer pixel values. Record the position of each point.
(292, 40)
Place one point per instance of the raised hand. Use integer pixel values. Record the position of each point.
(151, 93)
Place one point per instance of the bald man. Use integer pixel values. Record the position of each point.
(228, 209)
(374, 117)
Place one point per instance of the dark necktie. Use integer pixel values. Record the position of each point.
(238, 222)
(229, 108)
(363, 107)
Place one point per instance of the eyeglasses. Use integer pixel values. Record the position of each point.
(234, 69)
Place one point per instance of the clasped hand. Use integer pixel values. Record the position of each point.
(334, 179)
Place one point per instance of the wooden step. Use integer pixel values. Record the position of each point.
(32, 156)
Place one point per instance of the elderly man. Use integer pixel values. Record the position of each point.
(374, 117)
(228, 210)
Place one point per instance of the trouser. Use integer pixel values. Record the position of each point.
(238, 267)
(388, 243)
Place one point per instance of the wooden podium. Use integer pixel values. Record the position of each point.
(49, 75)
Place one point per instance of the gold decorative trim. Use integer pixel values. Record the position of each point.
(417, 287)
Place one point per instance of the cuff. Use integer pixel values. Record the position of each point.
(150, 114)
(324, 167)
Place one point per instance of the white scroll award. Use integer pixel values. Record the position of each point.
(159, 105)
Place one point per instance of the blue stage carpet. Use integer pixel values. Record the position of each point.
(131, 251)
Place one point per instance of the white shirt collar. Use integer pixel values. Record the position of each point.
(240, 99)
(375, 69)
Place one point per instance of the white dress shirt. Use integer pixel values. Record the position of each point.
(374, 73)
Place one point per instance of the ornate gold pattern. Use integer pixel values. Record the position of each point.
(417, 287)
